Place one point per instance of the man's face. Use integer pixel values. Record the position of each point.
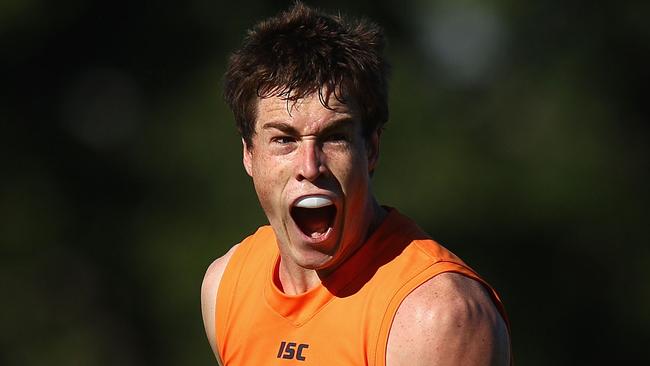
(311, 170)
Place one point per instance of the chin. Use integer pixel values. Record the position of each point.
(312, 258)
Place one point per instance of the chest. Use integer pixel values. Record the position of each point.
(342, 331)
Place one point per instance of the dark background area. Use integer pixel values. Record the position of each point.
(517, 138)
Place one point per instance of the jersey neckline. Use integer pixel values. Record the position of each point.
(298, 309)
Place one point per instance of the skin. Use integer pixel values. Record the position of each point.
(448, 320)
(306, 149)
(303, 149)
(209, 289)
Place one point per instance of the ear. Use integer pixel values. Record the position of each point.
(372, 147)
(247, 158)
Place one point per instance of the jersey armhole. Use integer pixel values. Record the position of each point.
(225, 293)
(417, 280)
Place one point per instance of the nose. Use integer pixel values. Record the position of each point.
(310, 161)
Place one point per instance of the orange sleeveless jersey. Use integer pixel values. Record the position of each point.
(343, 321)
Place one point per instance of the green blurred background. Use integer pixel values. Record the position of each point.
(517, 138)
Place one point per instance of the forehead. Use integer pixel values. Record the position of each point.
(309, 109)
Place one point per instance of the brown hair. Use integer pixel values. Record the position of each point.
(303, 51)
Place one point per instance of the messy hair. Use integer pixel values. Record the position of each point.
(303, 51)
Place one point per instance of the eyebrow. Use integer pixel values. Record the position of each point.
(290, 130)
(282, 126)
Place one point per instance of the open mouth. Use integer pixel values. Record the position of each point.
(314, 215)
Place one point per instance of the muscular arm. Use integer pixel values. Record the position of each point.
(209, 290)
(449, 320)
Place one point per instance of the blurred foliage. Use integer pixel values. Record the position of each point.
(518, 138)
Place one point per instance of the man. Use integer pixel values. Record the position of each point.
(336, 279)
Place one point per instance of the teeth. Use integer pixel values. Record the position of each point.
(314, 202)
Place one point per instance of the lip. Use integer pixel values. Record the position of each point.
(325, 236)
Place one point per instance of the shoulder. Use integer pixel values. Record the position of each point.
(213, 276)
(448, 320)
(215, 271)
(209, 289)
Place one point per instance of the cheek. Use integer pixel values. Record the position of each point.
(266, 196)
(268, 181)
(354, 175)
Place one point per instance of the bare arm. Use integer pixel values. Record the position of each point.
(448, 320)
(209, 290)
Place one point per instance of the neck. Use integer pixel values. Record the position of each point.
(295, 281)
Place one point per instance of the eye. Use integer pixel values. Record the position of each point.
(283, 140)
(337, 137)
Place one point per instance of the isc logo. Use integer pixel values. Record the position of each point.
(291, 350)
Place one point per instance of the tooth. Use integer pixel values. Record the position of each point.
(314, 202)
